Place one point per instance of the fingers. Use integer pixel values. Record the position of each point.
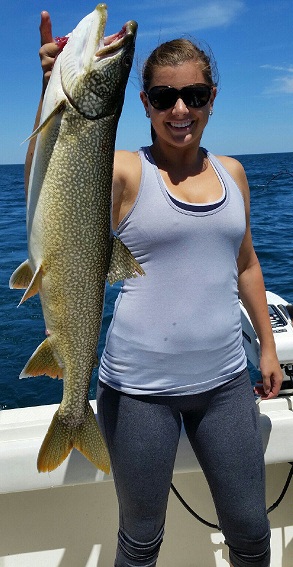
(266, 385)
(259, 390)
(48, 53)
(272, 376)
(49, 49)
(269, 388)
(276, 384)
(46, 28)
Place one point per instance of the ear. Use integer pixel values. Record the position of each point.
(144, 100)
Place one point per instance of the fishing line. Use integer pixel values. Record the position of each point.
(286, 172)
(215, 526)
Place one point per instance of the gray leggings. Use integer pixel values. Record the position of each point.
(142, 433)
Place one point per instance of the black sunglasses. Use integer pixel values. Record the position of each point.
(196, 96)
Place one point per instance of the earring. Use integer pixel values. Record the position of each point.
(211, 112)
(147, 113)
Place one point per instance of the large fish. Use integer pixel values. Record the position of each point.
(72, 250)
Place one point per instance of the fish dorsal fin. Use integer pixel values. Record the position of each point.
(43, 361)
(122, 264)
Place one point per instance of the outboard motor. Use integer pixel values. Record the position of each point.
(283, 334)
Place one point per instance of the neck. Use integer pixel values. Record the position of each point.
(171, 158)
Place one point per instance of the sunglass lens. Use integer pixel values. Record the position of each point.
(196, 97)
(162, 99)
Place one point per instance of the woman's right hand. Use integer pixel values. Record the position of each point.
(49, 48)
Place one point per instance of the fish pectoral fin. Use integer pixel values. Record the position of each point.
(34, 285)
(62, 437)
(122, 264)
(58, 108)
(43, 361)
(22, 276)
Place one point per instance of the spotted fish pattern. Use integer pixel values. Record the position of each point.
(72, 250)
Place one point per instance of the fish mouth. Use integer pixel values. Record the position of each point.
(86, 56)
(110, 44)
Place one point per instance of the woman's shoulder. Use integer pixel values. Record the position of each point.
(237, 171)
(126, 165)
(231, 164)
(124, 158)
(235, 168)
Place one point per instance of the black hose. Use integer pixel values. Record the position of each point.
(286, 486)
(192, 512)
(215, 526)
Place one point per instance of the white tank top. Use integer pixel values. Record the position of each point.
(177, 330)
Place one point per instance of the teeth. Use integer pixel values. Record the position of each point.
(181, 124)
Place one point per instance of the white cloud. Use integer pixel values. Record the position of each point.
(280, 84)
(278, 68)
(191, 16)
(285, 84)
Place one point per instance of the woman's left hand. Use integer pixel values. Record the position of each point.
(272, 377)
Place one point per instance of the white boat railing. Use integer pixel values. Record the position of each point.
(22, 432)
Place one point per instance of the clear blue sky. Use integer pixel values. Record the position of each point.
(251, 40)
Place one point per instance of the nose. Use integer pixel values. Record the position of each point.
(180, 107)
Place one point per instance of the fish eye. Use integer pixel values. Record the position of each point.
(127, 61)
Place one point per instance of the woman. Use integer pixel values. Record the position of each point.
(174, 349)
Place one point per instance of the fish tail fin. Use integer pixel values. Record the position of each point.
(62, 437)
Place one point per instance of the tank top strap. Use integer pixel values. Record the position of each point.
(149, 169)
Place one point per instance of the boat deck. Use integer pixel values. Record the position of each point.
(68, 518)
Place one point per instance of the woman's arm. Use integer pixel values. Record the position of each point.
(252, 293)
(126, 181)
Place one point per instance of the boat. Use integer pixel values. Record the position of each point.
(69, 517)
(282, 326)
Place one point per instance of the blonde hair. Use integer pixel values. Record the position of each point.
(176, 52)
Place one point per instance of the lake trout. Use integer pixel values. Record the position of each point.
(72, 250)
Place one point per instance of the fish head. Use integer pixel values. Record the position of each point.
(94, 68)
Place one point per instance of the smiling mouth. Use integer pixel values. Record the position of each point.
(182, 124)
